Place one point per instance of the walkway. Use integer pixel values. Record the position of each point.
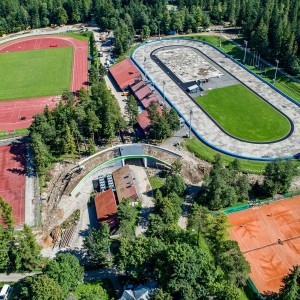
(144, 191)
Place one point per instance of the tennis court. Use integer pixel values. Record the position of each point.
(269, 237)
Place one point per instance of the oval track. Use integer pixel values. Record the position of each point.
(203, 126)
(183, 88)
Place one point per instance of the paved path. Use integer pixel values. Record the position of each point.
(14, 277)
(34, 32)
(202, 123)
(111, 273)
(29, 189)
(145, 194)
(109, 82)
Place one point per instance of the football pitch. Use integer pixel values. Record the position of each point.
(244, 115)
(35, 73)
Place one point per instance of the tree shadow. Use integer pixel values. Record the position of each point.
(270, 295)
(18, 150)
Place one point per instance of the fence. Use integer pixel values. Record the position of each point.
(254, 289)
(187, 122)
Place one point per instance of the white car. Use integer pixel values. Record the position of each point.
(5, 292)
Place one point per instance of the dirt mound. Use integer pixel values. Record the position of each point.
(48, 242)
(193, 171)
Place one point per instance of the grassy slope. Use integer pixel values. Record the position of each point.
(283, 83)
(35, 73)
(76, 35)
(244, 115)
(156, 182)
(204, 152)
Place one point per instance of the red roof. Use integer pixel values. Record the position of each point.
(147, 100)
(136, 86)
(142, 93)
(124, 184)
(124, 73)
(106, 207)
(144, 121)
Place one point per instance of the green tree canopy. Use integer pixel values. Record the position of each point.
(97, 246)
(66, 271)
(45, 288)
(279, 175)
(290, 289)
(174, 184)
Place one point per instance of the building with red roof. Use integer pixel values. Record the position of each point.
(144, 121)
(142, 93)
(106, 208)
(147, 100)
(124, 184)
(137, 85)
(125, 73)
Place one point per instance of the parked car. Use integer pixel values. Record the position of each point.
(5, 292)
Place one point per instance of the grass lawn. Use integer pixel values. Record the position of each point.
(204, 152)
(78, 35)
(244, 115)
(35, 73)
(156, 182)
(286, 85)
(95, 288)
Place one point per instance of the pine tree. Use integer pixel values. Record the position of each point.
(290, 290)
(69, 146)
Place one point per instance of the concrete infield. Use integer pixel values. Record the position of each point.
(202, 124)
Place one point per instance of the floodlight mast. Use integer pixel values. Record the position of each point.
(158, 23)
(191, 114)
(164, 96)
(220, 37)
(246, 44)
(277, 62)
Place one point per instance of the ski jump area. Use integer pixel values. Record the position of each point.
(167, 60)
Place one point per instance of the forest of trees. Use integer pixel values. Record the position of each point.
(272, 27)
(197, 263)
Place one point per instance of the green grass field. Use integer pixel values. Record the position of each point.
(286, 85)
(35, 73)
(244, 115)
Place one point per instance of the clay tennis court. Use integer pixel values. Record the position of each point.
(258, 231)
(11, 111)
(12, 179)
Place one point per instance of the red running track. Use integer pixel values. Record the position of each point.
(11, 111)
(12, 179)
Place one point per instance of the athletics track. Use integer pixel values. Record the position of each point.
(257, 231)
(11, 111)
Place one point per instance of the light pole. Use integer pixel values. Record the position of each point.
(164, 93)
(158, 23)
(220, 37)
(277, 62)
(191, 113)
(246, 44)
